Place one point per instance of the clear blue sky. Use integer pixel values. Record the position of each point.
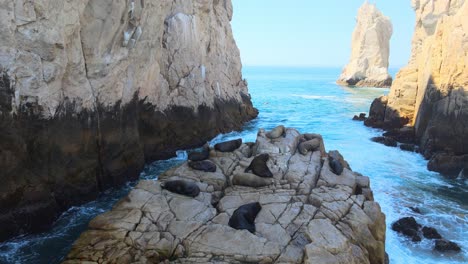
(312, 32)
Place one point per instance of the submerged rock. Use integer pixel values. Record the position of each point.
(308, 214)
(370, 50)
(389, 142)
(430, 233)
(408, 227)
(443, 245)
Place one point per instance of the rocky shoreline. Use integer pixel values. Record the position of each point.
(314, 209)
(426, 105)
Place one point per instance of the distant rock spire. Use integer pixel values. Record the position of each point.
(370, 50)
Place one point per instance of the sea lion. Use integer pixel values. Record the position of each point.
(244, 217)
(199, 156)
(228, 146)
(337, 162)
(259, 166)
(251, 180)
(309, 145)
(182, 187)
(276, 132)
(204, 165)
(310, 136)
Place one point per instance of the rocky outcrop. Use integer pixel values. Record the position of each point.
(370, 50)
(430, 93)
(90, 90)
(308, 214)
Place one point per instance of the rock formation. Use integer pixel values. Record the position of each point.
(370, 49)
(308, 214)
(91, 89)
(431, 92)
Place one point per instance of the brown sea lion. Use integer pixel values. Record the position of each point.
(309, 145)
(182, 187)
(250, 180)
(259, 166)
(204, 165)
(276, 132)
(243, 217)
(228, 146)
(310, 136)
(199, 156)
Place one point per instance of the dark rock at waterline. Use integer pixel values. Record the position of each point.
(402, 135)
(408, 147)
(377, 113)
(408, 227)
(430, 233)
(49, 165)
(389, 142)
(444, 245)
(449, 165)
(361, 117)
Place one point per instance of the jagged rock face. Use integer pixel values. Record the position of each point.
(370, 50)
(431, 91)
(91, 89)
(308, 214)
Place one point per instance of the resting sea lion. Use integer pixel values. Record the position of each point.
(204, 165)
(182, 187)
(244, 217)
(251, 180)
(336, 162)
(309, 145)
(199, 156)
(276, 132)
(228, 146)
(259, 166)
(310, 136)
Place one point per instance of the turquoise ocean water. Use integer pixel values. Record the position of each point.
(309, 100)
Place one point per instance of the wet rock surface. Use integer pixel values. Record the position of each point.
(308, 214)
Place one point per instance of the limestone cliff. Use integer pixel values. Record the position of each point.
(430, 93)
(370, 49)
(91, 89)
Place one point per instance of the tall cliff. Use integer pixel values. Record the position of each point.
(370, 49)
(431, 92)
(91, 89)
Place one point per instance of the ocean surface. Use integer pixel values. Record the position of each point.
(309, 100)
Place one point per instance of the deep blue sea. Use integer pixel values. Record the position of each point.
(309, 100)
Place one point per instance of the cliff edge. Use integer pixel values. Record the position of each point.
(313, 209)
(91, 90)
(370, 50)
(430, 93)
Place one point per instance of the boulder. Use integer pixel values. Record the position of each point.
(443, 245)
(389, 142)
(408, 227)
